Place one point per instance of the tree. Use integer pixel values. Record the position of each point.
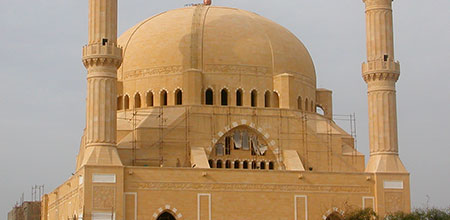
(361, 214)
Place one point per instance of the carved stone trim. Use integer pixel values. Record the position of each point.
(381, 76)
(136, 74)
(243, 187)
(103, 197)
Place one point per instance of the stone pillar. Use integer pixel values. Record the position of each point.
(381, 72)
(102, 57)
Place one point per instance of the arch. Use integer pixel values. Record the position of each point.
(126, 102)
(228, 164)
(254, 98)
(335, 216)
(262, 165)
(166, 216)
(272, 144)
(320, 110)
(209, 97)
(211, 163)
(267, 99)
(163, 98)
(178, 97)
(271, 165)
(137, 100)
(119, 103)
(245, 164)
(219, 164)
(239, 97)
(149, 99)
(237, 164)
(306, 105)
(299, 103)
(224, 97)
(276, 100)
(254, 165)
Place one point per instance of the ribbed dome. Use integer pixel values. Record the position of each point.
(214, 40)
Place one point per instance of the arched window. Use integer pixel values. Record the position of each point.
(166, 216)
(320, 110)
(227, 145)
(254, 165)
(267, 99)
(262, 165)
(276, 100)
(126, 102)
(271, 165)
(254, 98)
(237, 164)
(119, 103)
(239, 97)
(335, 216)
(219, 164)
(178, 97)
(312, 107)
(306, 105)
(299, 103)
(163, 98)
(211, 163)
(245, 165)
(224, 97)
(228, 164)
(137, 100)
(219, 149)
(149, 99)
(209, 95)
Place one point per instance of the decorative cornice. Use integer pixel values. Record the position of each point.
(246, 187)
(371, 77)
(100, 55)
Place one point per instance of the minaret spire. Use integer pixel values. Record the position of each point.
(101, 58)
(381, 72)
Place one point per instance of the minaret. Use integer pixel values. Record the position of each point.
(381, 72)
(101, 57)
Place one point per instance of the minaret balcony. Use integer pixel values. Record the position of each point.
(93, 53)
(381, 66)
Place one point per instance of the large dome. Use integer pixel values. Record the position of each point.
(213, 39)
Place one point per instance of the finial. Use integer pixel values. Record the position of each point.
(207, 2)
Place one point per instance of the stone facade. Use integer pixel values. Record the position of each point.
(210, 112)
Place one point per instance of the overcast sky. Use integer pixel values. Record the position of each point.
(43, 82)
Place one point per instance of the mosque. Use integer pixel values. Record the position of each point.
(212, 113)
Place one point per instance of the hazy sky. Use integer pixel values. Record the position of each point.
(42, 106)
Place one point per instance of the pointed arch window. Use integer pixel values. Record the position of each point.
(137, 100)
(224, 97)
(149, 99)
(306, 104)
(276, 100)
(254, 98)
(299, 103)
(178, 97)
(119, 103)
(126, 102)
(209, 96)
(239, 97)
(267, 99)
(163, 98)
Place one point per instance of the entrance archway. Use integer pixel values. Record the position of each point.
(166, 216)
(335, 216)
